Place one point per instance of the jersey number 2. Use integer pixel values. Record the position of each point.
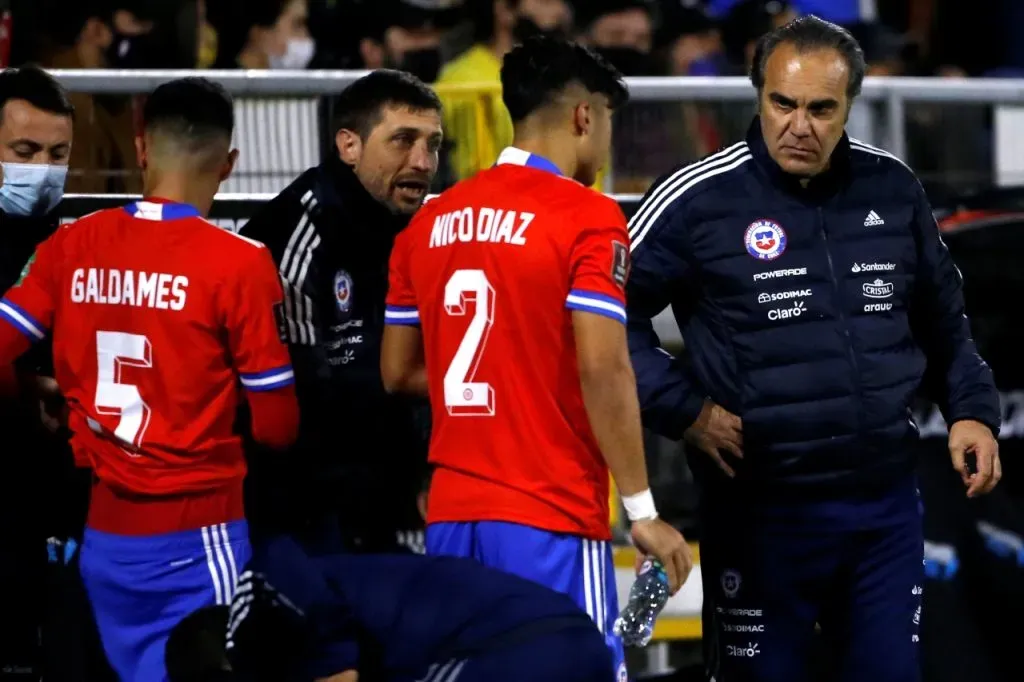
(463, 395)
(115, 351)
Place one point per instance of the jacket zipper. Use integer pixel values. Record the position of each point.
(840, 300)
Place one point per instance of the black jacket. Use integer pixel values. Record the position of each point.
(39, 472)
(811, 312)
(361, 452)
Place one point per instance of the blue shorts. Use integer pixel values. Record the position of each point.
(141, 587)
(581, 568)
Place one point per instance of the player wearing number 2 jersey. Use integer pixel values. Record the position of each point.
(511, 286)
(156, 317)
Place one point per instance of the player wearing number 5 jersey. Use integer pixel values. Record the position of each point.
(156, 317)
(510, 285)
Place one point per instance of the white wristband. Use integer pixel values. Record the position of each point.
(640, 507)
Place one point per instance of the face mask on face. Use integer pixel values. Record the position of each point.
(31, 189)
(297, 55)
(525, 27)
(424, 64)
(629, 61)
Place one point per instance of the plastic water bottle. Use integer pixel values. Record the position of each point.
(647, 597)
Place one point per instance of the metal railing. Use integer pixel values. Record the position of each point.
(893, 93)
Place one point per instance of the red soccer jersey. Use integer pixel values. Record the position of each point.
(156, 315)
(491, 271)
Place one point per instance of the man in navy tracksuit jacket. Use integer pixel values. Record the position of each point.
(815, 297)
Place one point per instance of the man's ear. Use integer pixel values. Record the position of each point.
(350, 146)
(581, 115)
(230, 165)
(140, 151)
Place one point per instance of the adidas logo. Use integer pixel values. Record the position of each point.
(873, 219)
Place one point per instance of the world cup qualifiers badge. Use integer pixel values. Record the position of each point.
(765, 240)
(343, 291)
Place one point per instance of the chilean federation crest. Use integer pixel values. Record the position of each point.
(343, 291)
(765, 240)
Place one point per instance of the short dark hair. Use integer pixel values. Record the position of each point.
(38, 88)
(191, 110)
(360, 106)
(534, 72)
(195, 648)
(806, 34)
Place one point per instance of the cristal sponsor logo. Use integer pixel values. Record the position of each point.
(873, 267)
(797, 310)
(775, 274)
(783, 295)
(877, 307)
(877, 289)
(752, 649)
(729, 627)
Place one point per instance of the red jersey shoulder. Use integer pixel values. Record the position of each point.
(69, 233)
(221, 238)
(597, 210)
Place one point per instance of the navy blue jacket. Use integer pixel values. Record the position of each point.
(389, 616)
(814, 313)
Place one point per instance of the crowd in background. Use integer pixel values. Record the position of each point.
(458, 44)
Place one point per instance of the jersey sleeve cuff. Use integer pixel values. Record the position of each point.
(397, 314)
(22, 321)
(269, 380)
(599, 304)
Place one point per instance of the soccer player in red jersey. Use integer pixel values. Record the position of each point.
(506, 301)
(156, 317)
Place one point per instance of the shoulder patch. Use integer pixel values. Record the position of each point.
(282, 321)
(620, 263)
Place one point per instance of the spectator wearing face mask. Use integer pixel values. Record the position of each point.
(497, 25)
(621, 31)
(275, 35)
(87, 34)
(406, 35)
(278, 137)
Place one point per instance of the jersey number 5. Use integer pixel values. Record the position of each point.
(115, 351)
(463, 395)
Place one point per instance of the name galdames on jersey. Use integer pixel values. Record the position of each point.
(140, 289)
(493, 225)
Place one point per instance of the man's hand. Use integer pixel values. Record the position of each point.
(969, 436)
(656, 538)
(53, 409)
(717, 429)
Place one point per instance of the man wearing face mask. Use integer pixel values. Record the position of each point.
(91, 36)
(498, 25)
(277, 36)
(36, 120)
(406, 35)
(352, 479)
(273, 35)
(621, 31)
